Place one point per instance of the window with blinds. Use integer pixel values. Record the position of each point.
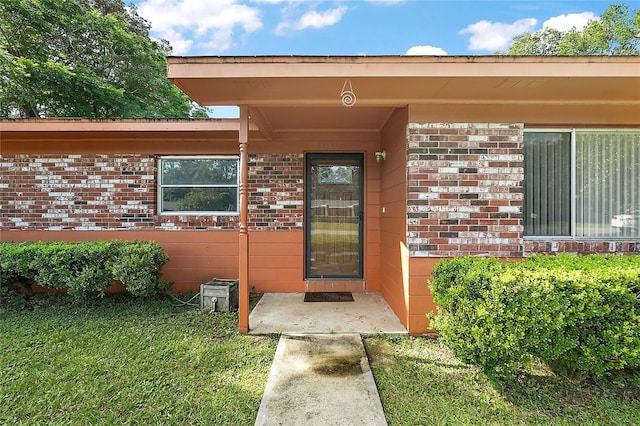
(582, 183)
(547, 183)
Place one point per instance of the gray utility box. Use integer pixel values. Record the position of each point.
(219, 295)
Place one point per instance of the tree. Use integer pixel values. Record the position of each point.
(83, 58)
(617, 32)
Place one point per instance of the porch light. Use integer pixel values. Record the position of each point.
(381, 156)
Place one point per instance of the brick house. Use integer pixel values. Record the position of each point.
(439, 157)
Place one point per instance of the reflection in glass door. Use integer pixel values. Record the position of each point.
(334, 216)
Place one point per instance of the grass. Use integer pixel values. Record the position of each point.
(123, 361)
(126, 361)
(420, 382)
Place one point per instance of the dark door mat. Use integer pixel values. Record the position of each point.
(328, 297)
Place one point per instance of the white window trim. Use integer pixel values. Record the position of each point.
(195, 213)
(573, 205)
(573, 132)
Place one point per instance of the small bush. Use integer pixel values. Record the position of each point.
(138, 264)
(580, 313)
(15, 264)
(83, 268)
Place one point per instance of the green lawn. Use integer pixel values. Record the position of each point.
(421, 383)
(126, 361)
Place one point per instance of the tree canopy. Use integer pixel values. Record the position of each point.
(617, 32)
(83, 58)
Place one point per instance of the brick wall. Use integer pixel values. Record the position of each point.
(276, 191)
(581, 247)
(465, 194)
(84, 192)
(115, 191)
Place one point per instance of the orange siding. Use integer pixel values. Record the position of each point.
(85, 142)
(195, 257)
(421, 301)
(372, 223)
(393, 220)
(276, 261)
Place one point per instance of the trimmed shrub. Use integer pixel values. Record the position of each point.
(580, 313)
(83, 268)
(137, 265)
(16, 260)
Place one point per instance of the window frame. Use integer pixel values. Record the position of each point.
(161, 185)
(573, 176)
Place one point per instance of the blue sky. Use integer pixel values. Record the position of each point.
(350, 27)
(365, 27)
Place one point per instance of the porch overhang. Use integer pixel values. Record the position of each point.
(57, 130)
(503, 88)
(153, 136)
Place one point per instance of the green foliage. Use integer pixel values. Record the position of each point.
(617, 32)
(578, 313)
(11, 281)
(14, 266)
(137, 264)
(82, 58)
(83, 268)
(80, 267)
(202, 199)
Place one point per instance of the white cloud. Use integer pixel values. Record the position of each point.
(179, 44)
(196, 23)
(426, 51)
(313, 19)
(386, 2)
(275, 1)
(566, 22)
(493, 36)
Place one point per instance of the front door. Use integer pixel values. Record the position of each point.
(334, 216)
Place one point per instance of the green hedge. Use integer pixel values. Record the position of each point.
(83, 268)
(581, 314)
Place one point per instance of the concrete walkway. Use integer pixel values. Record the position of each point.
(320, 379)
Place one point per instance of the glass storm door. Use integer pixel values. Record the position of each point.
(334, 216)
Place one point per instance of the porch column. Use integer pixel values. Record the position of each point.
(243, 254)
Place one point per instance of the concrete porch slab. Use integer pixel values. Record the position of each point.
(320, 379)
(369, 313)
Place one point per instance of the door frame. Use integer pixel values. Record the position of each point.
(357, 157)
